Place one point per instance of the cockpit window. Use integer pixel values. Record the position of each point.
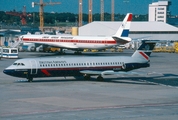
(21, 64)
(15, 64)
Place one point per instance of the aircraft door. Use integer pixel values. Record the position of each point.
(105, 42)
(75, 42)
(33, 65)
(21, 39)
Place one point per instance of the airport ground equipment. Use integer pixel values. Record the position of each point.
(51, 49)
(1, 52)
(9, 52)
(169, 48)
(176, 47)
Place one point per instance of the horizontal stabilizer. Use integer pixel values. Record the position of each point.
(122, 40)
(110, 72)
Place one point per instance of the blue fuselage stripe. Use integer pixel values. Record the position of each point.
(58, 72)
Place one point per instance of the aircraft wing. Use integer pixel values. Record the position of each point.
(68, 46)
(91, 72)
(107, 72)
(111, 72)
(122, 40)
(39, 43)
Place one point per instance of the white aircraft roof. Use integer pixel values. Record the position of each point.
(109, 28)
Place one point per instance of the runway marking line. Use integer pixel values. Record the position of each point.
(89, 108)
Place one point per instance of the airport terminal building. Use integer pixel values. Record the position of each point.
(139, 30)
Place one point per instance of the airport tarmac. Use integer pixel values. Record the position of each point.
(151, 95)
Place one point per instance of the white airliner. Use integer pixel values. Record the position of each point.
(76, 66)
(79, 43)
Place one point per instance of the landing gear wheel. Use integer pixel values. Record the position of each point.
(77, 53)
(100, 78)
(30, 79)
(86, 77)
(61, 52)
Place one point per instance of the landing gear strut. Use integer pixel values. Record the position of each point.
(77, 52)
(30, 79)
(87, 77)
(62, 52)
(100, 78)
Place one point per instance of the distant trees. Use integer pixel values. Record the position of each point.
(56, 18)
(4, 18)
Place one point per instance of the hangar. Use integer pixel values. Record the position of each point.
(139, 30)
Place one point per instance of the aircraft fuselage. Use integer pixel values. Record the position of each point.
(56, 67)
(71, 42)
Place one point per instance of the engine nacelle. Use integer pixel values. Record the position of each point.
(28, 48)
(127, 67)
(32, 48)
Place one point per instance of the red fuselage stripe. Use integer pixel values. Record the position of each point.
(71, 41)
(45, 72)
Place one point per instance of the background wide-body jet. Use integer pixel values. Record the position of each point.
(79, 43)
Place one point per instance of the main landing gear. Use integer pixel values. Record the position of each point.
(77, 52)
(30, 79)
(100, 78)
(87, 77)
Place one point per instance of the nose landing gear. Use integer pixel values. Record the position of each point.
(30, 79)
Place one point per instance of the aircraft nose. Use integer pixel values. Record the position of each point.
(8, 72)
(5, 71)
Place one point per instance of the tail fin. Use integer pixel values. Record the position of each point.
(145, 49)
(122, 33)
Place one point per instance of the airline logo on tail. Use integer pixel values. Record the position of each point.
(126, 25)
(144, 55)
(145, 49)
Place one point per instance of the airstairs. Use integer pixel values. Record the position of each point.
(17, 44)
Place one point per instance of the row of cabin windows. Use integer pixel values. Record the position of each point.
(82, 64)
(77, 41)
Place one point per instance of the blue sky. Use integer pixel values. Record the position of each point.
(133, 6)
